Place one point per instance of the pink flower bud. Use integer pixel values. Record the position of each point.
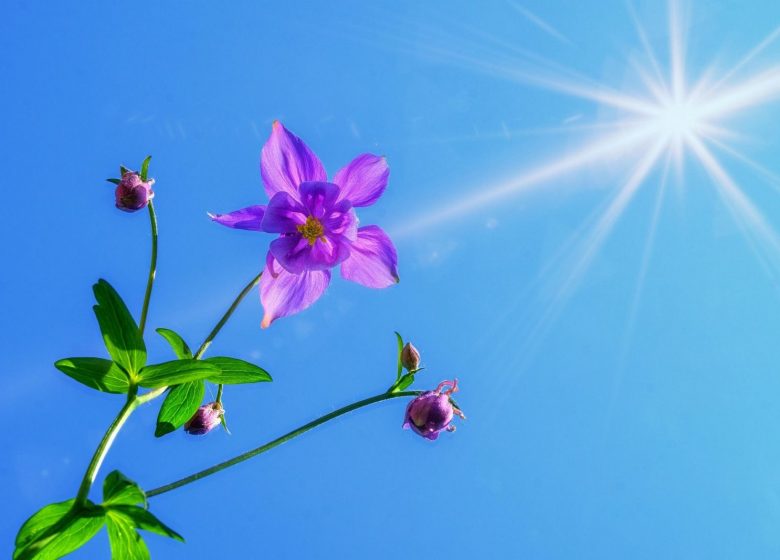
(205, 419)
(132, 193)
(410, 357)
(431, 412)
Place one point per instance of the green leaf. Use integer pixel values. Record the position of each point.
(123, 170)
(40, 521)
(57, 530)
(97, 373)
(400, 349)
(143, 519)
(175, 372)
(120, 331)
(115, 181)
(126, 543)
(405, 381)
(145, 168)
(233, 371)
(118, 489)
(179, 406)
(180, 347)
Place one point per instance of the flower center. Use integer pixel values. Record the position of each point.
(312, 230)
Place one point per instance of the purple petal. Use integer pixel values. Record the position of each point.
(372, 260)
(284, 214)
(295, 254)
(287, 294)
(286, 162)
(247, 218)
(342, 221)
(318, 197)
(363, 180)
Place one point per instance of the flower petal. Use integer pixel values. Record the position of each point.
(342, 221)
(372, 260)
(318, 197)
(287, 294)
(286, 162)
(363, 180)
(284, 214)
(247, 218)
(296, 254)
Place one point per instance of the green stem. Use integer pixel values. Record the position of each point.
(218, 327)
(278, 441)
(210, 338)
(152, 269)
(105, 444)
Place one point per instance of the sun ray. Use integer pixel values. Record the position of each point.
(610, 146)
(773, 179)
(676, 51)
(757, 230)
(754, 52)
(604, 227)
(663, 87)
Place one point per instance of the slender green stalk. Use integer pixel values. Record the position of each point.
(105, 444)
(222, 321)
(152, 269)
(278, 441)
(218, 327)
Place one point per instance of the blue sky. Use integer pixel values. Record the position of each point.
(615, 409)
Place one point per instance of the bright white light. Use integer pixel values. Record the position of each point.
(677, 120)
(676, 116)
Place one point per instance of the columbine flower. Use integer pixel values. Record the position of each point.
(410, 357)
(132, 193)
(205, 419)
(317, 225)
(431, 412)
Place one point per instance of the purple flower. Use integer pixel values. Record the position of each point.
(132, 193)
(205, 419)
(432, 411)
(316, 223)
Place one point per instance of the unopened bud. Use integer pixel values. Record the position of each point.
(132, 193)
(205, 419)
(410, 357)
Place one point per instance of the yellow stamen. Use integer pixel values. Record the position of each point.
(312, 230)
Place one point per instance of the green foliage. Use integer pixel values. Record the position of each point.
(233, 371)
(145, 168)
(175, 372)
(177, 343)
(121, 499)
(400, 349)
(120, 490)
(58, 529)
(112, 180)
(120, 332)
(404, 382)
(97, 373)
(126, 543)
(179, 405)
(143, 519)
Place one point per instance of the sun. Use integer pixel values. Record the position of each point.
(671, 117)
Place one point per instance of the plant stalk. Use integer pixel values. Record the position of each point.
(278, 441)
(105, 444)
(152, 269)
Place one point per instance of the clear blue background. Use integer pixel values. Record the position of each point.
(589, 436)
